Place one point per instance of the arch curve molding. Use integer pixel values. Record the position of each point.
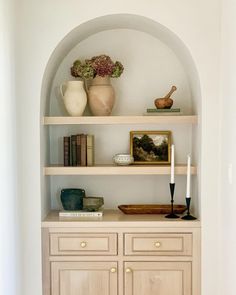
(121, 21)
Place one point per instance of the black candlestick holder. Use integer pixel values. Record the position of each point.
(172, 191)
(188, 216)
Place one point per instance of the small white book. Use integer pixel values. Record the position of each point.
(80, 214)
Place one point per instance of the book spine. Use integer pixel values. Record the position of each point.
(80, 214)
(90, 150)
(66, 144)
(83, 150)
(78, 150)
(73, 150)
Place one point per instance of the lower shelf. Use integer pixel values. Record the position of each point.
(117, 170)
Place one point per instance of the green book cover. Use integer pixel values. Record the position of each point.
(163, 110)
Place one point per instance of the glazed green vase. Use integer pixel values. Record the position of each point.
(72, 198)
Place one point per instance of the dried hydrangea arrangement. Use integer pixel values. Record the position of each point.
(100, 65)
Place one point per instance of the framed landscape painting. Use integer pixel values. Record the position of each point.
(150, 147)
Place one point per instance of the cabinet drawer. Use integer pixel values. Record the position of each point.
(158, 244)
(83, 244)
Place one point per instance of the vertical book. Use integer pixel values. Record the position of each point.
(73, 150)
(78, 150)
(83, 150)
(90, 150)
(66, 144)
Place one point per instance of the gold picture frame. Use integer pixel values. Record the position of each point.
(150, 147)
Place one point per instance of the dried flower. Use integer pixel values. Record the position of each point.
(100, 65)
(117, 70)
(76, 69)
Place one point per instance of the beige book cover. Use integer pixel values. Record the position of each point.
(90, 150)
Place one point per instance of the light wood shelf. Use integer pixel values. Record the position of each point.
(118, 170)
(113, 120)
(116, 218)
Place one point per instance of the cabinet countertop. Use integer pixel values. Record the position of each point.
(115, 218)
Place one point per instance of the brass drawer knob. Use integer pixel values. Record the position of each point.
(128, 270)
(113, 270)
(157, 244)
(83, 244)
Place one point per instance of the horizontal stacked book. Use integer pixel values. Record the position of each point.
(161, 112)
(81, 213)
(78, 150)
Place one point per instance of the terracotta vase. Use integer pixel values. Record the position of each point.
(101, 96)
(74, 97)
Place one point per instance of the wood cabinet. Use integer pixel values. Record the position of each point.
(162, 278)
(121, 255)
(85, 278)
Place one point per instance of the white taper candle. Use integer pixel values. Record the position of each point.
(188, 177)
(172, 172)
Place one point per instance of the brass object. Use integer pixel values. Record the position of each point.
(157, 244)
(128, 270)
(83, 244)
(113, 270)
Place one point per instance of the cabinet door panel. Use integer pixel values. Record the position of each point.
(162, 278)
(84, 278)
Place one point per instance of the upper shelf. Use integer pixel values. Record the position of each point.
(112, 120)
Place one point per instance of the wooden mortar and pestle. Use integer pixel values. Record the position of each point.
(165, 102)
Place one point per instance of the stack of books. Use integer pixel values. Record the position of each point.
(78, 150)
(168, 112)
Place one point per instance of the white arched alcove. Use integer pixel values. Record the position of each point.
(126, 38)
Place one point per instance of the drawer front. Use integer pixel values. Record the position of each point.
(83, 244)
(158, 244)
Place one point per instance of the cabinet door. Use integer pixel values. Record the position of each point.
(84, 278)
(158, 278)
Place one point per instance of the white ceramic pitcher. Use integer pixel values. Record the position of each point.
(74, 97)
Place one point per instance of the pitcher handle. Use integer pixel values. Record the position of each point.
(61, 89)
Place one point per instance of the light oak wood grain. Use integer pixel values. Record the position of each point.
(162, 278)
(113, 219)
(84, 278)
(83, 244)
(117, 170)
(158, 244)
(113, 120)
(106, 274)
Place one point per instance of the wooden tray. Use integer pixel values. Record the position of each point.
(151, 209)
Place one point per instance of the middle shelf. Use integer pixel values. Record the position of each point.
(117, 170)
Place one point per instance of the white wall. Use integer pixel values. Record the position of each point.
(9, 244)
(228, 141)
(41, 26)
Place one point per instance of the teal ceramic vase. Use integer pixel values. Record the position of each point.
(72, 198)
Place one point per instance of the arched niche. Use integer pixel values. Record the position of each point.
(126, 22)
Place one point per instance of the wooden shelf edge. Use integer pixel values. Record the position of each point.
(117, 170)
(113, 120)
(115, 218)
